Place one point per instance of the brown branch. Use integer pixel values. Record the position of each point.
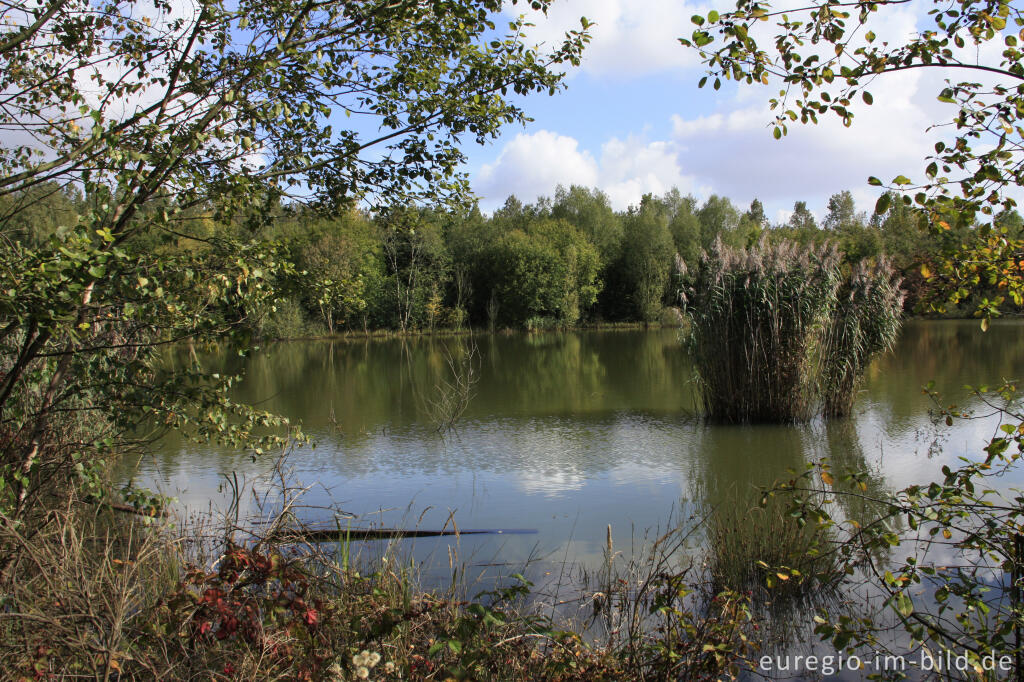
(27, 32)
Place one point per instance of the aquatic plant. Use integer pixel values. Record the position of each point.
(776, 330)
(453, 394)
(785, 567)
(864, 322)
(756, 316)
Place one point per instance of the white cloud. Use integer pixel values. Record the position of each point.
(532, 165)
(631, 168)
(735, 153)
(782, 216)
(628, 38)
(728, 148)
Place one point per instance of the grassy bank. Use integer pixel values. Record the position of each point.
(102, 594)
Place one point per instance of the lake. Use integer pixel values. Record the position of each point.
(564, 435)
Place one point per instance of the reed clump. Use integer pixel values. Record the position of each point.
(864, 322)
(755, 318)
(778, 333)
(763, 552)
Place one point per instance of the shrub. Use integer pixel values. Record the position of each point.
(286, 321)
(549, 270)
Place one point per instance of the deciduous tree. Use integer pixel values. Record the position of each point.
(152, 109)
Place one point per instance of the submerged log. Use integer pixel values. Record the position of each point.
(339, 534)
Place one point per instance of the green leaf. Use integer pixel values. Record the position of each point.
(882, 205)
(904, 605)
(702, 38)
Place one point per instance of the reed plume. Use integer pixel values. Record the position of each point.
(778, 333)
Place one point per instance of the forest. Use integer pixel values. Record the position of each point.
(564, 261)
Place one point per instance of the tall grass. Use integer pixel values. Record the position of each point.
(102, 595)
(756, 316)
(865, 321)
(764, 552)
(776, 330)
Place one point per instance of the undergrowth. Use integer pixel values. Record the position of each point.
(107, 595)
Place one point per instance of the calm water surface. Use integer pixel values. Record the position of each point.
(567, 433)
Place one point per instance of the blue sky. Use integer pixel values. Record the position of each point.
(633, 121)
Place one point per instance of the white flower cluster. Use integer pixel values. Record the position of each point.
(364, 661)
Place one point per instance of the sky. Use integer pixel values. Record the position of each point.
(632, 120)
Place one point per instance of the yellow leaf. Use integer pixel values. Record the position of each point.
(782, 576)
(827, 477)
(926, 271)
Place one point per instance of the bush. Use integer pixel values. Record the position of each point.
(538, 323)
(286, 321)
(548, 270)
(671, 317)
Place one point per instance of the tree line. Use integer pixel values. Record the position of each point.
(562, 261)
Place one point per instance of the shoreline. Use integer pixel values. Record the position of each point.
(447, 332)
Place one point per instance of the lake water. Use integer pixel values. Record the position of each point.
(567, 433)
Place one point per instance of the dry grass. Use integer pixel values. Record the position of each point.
(104, 595)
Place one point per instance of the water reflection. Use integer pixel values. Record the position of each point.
(568, 432)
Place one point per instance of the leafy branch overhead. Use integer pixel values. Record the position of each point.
(171, 122)
(212, 98)
(826, 56)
